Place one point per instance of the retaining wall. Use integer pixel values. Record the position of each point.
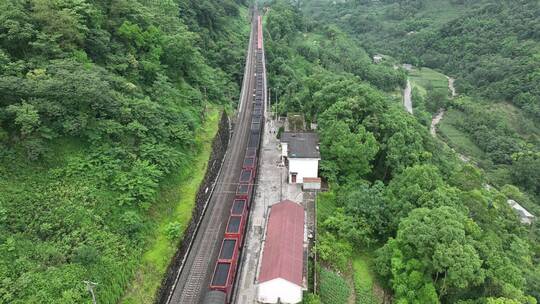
(219, 147)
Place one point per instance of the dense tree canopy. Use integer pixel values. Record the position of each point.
(101, 101)
(444, 237)
(434, 253)
(491, 47)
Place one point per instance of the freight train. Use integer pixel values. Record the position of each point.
(226, 268)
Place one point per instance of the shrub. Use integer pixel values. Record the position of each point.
(173, 230)
(132, 222)
(311, 299)
(333, 251)
(86, 255)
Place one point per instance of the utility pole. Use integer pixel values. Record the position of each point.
(90, 286)
(315, 251)
(265, 205)
(281, 184)
(269, 105)
(276, 91)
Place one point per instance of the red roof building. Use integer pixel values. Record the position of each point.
(282, 265)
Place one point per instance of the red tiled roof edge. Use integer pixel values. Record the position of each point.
(283, 253)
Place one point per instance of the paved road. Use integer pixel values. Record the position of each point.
(197, 271)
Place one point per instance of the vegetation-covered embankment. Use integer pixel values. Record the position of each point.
(106, 124)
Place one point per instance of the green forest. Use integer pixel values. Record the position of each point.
(491, 48)
(405, 219)
(107, 109)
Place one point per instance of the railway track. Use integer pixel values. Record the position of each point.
(196, 272)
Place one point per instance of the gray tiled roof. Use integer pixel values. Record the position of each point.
(301, 144)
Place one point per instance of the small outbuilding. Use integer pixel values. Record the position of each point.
(281, 274)
(300, 153)
(311, 183)
(525, 217)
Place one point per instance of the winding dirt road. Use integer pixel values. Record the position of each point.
(435, 121)
(451, 86)
(407, 100)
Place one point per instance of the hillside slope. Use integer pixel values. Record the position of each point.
(401, 208)
(491, 48)
(104, 107)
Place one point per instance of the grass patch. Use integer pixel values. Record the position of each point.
(514, 118)
(440, 12)
(326, 204)
(456, 138)
(333, 288)
(425, 78)
(174, 205)
(362, 275)
(499, 175)
(363, 279)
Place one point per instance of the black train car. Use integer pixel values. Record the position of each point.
(256, 117)
(254, 138)
(215, 297)
(251, 152)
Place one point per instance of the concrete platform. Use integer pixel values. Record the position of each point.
(271, 188)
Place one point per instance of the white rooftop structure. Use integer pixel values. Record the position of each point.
(524, 216)
(377, 58)
(300, 152)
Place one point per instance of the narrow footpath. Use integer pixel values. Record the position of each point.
(437, 119)
(451, 86)
(440, 115)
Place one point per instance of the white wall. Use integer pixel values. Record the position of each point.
(304, 167)
(287, 292)
(284, 150)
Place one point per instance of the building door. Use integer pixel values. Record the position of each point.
(293, 177)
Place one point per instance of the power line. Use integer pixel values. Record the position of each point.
(90, 286)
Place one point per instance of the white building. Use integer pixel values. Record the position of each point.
(525, 216)
(281, 274)
(278, 288)
(300, 153)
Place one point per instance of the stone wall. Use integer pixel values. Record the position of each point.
(219, 147)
